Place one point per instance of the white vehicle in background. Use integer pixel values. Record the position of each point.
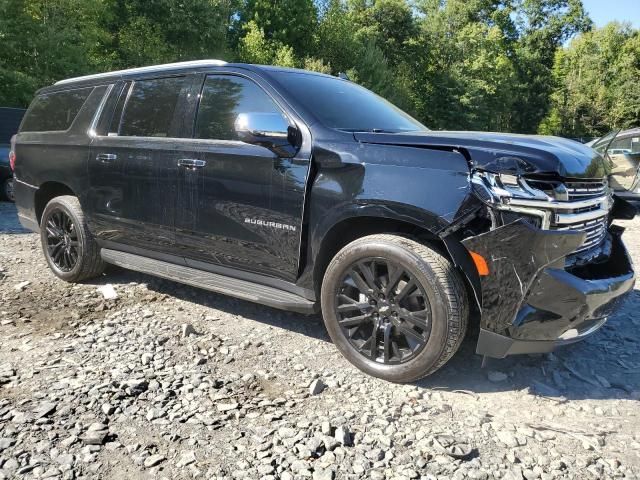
(622, 149)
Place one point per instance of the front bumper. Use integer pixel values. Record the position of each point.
(530, 303)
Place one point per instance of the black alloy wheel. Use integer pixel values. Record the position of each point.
(69, 247)
(8, 189)
(383, 311)
(62, 240)
(395, 307)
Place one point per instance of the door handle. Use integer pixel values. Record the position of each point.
(191, 163)
(106, 157)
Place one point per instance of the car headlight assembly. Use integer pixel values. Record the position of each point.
(497, 190)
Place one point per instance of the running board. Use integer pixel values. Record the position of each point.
(214, 282)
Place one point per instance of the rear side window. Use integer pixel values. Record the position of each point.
(54, 111)
(151, 106)
(223, 99)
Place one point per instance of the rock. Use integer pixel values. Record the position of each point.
(6, 443)
(44, 409)
(67, 442)
(226, 407)
(66, 459)
(286, 432)
(51, 472)
(316, 387)
(322, 474)
(108, 292)
(265, 469)
(136, 386)
(107, 408)
(343, 435)
(508, 438)
(97, 426)
(153, 460)
(452, 446)
(187, 330)
(94, 437)
(187, 458)
(496, 377)
(21, 286)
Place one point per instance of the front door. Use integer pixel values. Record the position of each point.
(248, 203)
(133, 167)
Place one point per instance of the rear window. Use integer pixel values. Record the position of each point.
(54, 111)
(150, 109)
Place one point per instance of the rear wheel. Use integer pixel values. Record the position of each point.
(7, 189)
(394, 307)
(69, 248)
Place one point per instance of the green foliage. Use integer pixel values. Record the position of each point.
(597, 86)
(284, 22)
(457, 64)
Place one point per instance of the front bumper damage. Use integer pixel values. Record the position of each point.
(529, 302)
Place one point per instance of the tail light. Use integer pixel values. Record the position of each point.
(12, 154)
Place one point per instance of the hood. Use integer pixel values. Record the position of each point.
(506, 153)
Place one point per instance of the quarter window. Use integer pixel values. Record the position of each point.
(54, 111)
(150, 110)
(224, 97)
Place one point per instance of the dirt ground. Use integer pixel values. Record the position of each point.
(169, 381)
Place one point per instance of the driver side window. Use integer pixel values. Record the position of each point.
(223, 98)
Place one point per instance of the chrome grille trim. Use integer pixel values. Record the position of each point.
(596, 231)
(581, 189)
(586, 210)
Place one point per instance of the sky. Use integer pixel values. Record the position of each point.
(604, 11)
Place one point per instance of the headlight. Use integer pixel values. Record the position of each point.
(500, 187)
(498, 190)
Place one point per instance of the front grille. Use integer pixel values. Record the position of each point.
(596, 231)
(583, 189)
(575, 205)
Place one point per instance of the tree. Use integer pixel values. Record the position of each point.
(284, 22)
(596, 80)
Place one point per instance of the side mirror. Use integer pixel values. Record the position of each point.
(270, 130)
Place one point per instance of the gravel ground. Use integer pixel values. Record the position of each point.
(168, 381)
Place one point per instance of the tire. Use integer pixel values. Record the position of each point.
(7, 189)
(437, 305)
(88, 263)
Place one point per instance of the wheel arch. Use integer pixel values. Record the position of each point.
(349, 228)
(48, 191)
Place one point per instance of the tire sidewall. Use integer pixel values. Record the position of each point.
(430, 354)
(7, 189)
(52, 206)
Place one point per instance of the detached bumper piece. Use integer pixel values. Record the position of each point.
(530, 302)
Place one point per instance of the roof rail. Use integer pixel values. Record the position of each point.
(149, 69)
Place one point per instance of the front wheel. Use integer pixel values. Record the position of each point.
(394, 307)
(68, 246)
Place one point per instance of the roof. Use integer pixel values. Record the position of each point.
(149, 69)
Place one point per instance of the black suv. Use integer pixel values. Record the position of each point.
(304, 191)
(9, 122)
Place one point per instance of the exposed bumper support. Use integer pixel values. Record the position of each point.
(530, 303)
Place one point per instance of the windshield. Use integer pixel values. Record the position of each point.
(346, 106)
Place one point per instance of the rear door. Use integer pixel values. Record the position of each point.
(133, 164)
(240, 205)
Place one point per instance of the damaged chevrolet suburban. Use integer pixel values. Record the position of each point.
(309, 193)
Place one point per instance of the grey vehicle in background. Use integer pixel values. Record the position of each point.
(622, 149)
(10, 119)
